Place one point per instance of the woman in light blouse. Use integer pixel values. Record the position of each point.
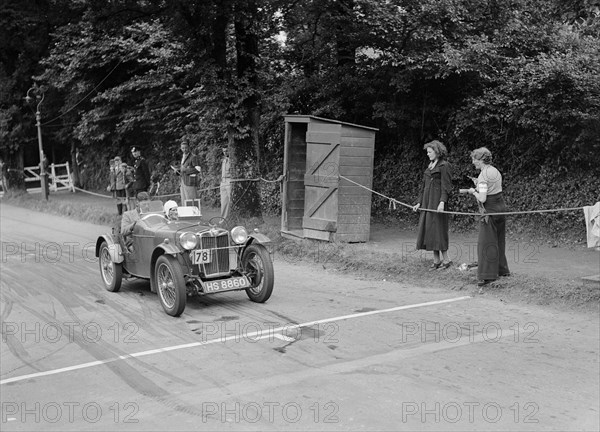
(491, 243)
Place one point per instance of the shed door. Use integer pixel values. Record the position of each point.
(321, 181)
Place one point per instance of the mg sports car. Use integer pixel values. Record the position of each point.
(186, 256)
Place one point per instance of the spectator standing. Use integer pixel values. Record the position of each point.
(141, 172)
(2, 178)
(225, 187)
(156, 178)
(130, 186)
(122, 179)
(78, 159)
(189, 170)
(435, 192)
(81, 168)
(491, 243)
(112, 178)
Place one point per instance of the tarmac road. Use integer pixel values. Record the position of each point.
(327, 352)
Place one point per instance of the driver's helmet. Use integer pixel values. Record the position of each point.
(169, 205)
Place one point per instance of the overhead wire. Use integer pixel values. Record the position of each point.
(116, 115)
(86, 96)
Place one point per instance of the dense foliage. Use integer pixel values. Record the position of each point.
(521, 77)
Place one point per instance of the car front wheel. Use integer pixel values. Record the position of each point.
(170, 285)
(111, 272)
(258, 267)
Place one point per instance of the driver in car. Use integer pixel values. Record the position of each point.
(131, 217)
(170, 209)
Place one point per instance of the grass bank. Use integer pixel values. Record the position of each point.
(86, 211)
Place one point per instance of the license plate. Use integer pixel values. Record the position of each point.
(201, 256)
(226, 284)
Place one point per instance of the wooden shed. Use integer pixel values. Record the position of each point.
(317, 203)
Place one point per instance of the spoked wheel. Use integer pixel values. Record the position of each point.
(170, 285)
(111, 272)
(258, 267)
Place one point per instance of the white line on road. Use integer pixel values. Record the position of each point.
(258, 335)
(284, 338)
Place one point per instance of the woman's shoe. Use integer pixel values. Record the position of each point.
(483, 282)
(446, 265)
(435, 266)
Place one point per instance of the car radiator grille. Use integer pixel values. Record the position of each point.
(219, 262)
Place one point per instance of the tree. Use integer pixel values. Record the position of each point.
(25, 29)
(228, 100)
(521, 77)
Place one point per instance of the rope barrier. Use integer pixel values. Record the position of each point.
(259, 179)
(93, 193)
(395, 201)
(165, 196)
(231, 181)
(392, 201)
(279, 179)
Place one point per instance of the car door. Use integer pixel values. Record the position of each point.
(142, 245)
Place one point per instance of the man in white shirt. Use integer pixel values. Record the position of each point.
(225, 187)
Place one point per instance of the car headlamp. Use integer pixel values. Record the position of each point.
(239, 235)
(188, 240)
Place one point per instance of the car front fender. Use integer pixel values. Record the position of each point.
(161, 249)
(114, 248)
(258, 238)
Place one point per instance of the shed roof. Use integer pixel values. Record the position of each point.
(300, 118)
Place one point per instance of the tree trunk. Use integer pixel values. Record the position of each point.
(13, 177)
(219, 38)
(346, 55)
(346, 47)
(245, 196)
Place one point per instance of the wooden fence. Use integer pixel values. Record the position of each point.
(59, 178)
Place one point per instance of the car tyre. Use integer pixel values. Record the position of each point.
(111, 272)
(170, 285)
(258, 267)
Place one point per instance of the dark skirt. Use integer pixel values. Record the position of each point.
(491, 244)
(433, 231)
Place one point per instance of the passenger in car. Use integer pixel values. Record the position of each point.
(170, 208)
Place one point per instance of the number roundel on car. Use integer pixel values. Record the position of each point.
(201, 256)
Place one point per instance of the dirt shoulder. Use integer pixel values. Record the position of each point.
(539, 259)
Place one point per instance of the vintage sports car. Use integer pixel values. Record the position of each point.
(185, 257)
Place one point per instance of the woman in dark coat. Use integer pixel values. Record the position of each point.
(435, 192)
(491, 244)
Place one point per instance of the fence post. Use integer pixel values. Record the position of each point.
(53, 187)
(71, 186)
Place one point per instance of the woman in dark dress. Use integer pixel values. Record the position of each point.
(435, 192)
(491, 243)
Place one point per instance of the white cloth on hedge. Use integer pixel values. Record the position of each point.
(592, 224)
